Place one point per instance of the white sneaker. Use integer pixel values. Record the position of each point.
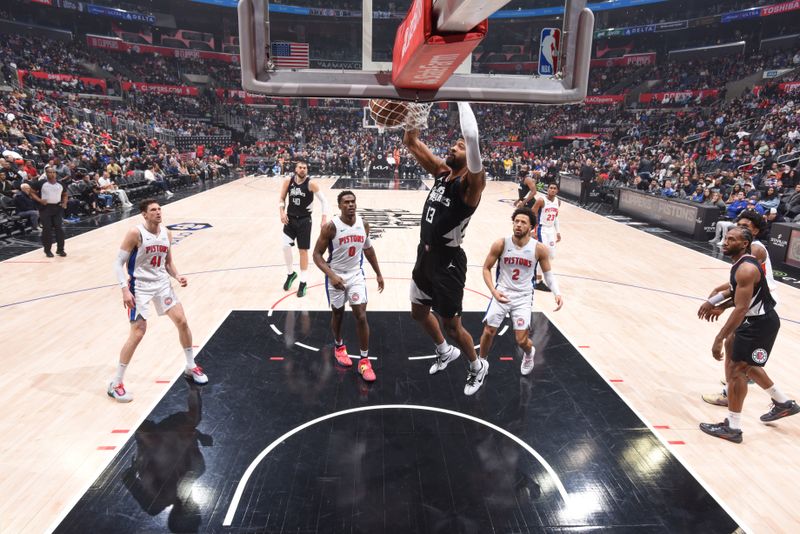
(721, 243)
(169, 194)
(196, 374)
(527, 363)
(442, 360)
(475, 378)
(118, 392)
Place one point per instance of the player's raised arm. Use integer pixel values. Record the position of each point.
(476, 175)
(423, 154)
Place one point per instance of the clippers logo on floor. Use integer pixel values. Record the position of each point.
(185, 230)
(549, 50)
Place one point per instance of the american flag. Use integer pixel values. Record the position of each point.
(290, 55)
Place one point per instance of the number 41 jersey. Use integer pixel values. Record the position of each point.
(516, 267)
(147, 266)
(346, 247)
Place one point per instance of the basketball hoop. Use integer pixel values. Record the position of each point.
(396, 114)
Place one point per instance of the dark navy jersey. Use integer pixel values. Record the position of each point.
(761, 302)
(300, 198)
(445, 216)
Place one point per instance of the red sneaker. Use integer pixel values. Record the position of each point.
(365, 369)
(342, 357)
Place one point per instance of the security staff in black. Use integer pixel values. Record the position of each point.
(440, 271)
(754, 325)
(296, 219)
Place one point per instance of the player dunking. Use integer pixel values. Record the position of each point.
(517, 258)
(440, 271)
(754, 325)
(143, 267)
(346, 238)
(296, 219)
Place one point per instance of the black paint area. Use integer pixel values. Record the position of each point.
(395, 469)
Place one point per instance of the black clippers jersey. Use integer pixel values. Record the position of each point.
(445, 216)
(761, 302)
(300, 198)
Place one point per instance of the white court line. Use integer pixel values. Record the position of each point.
(237, 496)
(78, 495)
(269, 313)
(503, 330)
(275, 329)
(306, 346)
(432, 356)
(356, 357)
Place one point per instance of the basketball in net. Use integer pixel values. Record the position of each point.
(395, 114)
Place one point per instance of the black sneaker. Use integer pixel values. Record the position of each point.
(289, 281)
(780, 409)
(722, 430)
(49, 254)
(541, 286)
(301, 289)
(62, 253)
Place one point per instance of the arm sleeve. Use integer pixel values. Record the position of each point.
(469, 129)
(367, 242)
(323, 203)
(551, 282)
(119, 267)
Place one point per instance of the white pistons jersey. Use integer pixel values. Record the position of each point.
(549, 212)
(147, 265)
(346, 247)
(516, 267)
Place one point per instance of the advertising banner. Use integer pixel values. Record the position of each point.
(182, 90)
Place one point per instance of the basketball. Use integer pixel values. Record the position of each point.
(388, 113)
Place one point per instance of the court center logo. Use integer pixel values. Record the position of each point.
(386, 219)
(185, 229)
(760, 356)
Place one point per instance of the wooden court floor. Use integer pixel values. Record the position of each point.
(630, 302)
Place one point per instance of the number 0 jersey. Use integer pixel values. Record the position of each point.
(516, 267)
(147, 265)
(347, 246)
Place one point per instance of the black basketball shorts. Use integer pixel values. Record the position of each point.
(754, 338)
(438, 279)
(299, 229)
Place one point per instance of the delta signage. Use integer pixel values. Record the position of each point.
(118, 45)
(21, 74)
(677, 97)
(181, 90)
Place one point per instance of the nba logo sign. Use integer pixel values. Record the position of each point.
(549, 47)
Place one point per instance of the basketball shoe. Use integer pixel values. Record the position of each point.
(301, 289)
(527, 363)
(289, 281)
(342, 357)
(722, 430)
(444, 358)
(780, 410)
(118, 392)
(717, 399)
(365, 370)
(475, 378)
(196, 375)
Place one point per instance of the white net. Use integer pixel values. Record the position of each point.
(395, 114)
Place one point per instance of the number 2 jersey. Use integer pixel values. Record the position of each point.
(346, 249)
(147, 265)
(516, 268)
(445, 215)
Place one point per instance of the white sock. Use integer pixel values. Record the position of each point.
(365, 353)
(735, 420)
(442, 347)
(287, 257)
(189, 353)
(303, 276)
(776, 394)
(120, 373)
(476, 365)
(338, 342)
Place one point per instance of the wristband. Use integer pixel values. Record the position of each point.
(716, 298)
(281, 205)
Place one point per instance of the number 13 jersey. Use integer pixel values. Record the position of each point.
(445, 216)
(147, 266)
(516, 267)
(346, 247)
